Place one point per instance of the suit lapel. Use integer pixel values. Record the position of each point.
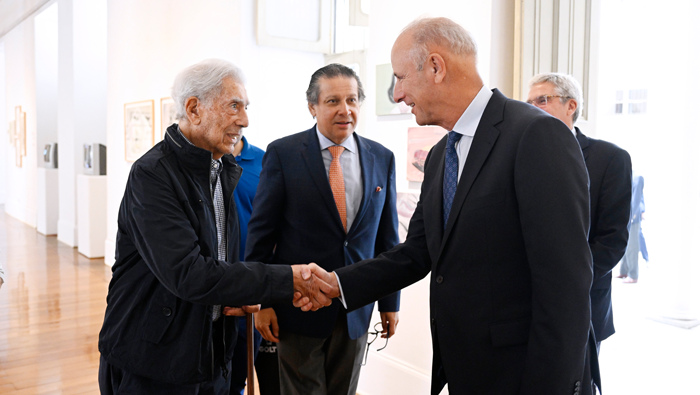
(314, 163)
(484, 139)
(369, 179)
(584, 142)
(432, 209)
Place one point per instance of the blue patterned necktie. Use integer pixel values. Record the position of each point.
(449, 182)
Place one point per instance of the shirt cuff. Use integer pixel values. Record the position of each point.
(340, 287)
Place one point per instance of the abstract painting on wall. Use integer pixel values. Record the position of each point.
(406, 203)
(385, 92)
(420, 141)
(167, 115)
(138, 129)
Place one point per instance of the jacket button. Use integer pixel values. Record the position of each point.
(578, 384)
(346, 243)
(167, 312)
(432, 321)
(439, 279)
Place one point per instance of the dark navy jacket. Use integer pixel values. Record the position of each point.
(295, 220)
(158, 322)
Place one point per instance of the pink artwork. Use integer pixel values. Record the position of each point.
(405, 206)
(420, 141)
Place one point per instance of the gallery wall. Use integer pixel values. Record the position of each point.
(149, 43)
(20, 91)
(4, 141)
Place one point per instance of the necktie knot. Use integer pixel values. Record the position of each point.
(336, 150)
(452, 138)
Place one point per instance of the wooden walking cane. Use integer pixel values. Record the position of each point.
(251, 361)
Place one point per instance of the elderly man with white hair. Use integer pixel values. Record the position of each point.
(501, 226)
(610, 173)
(167, 328)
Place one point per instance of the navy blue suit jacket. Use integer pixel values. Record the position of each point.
(295, 220)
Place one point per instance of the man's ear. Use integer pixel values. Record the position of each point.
(573, 105)
(312, 110)
(192, 110)
(436, 67)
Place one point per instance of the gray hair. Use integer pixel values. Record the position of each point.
(331, 71)
(203, 80)
(444, 32)
(564, 85)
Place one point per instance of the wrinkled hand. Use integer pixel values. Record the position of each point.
(241, 311)
(389, 323)
(266, 324)
(307, 294)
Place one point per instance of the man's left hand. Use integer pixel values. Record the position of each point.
(389, 323)
(241, 311)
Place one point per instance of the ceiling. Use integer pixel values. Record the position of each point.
(13, 12)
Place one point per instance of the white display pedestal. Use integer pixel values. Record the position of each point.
(47, 201)
(92, 215)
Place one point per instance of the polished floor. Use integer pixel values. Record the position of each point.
(51, 310)
(53, 301)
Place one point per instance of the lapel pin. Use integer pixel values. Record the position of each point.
(378, 189)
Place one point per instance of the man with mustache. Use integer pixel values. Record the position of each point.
(325, 195)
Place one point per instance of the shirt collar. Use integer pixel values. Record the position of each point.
(246, 153)
(325, 142)
(469, 121)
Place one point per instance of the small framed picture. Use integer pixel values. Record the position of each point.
(138, 129)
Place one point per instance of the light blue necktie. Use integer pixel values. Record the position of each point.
(449, 182)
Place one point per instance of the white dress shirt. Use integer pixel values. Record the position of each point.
(466, 126)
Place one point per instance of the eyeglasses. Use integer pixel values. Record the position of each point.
(375, 333)
(541, 101)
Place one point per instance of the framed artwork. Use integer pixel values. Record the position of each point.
(385, 92)
(167, 114)
(406, 203)
(138, 129)
(420, 141)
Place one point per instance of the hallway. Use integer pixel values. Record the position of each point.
(51, 310)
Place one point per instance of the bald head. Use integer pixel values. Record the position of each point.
(428, 34)
(434, 61)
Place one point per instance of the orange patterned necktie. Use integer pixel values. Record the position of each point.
(335, 176)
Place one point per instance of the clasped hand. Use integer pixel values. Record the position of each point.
(314, 287)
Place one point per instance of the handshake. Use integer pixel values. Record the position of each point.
(313, 287)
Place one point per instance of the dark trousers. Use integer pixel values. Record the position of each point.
(267, 368)
(116, 381)
(320, 366)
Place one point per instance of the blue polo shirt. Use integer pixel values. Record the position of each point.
(250, 159)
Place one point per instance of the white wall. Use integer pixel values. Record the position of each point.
(20, 91)
(150, 42)
(46, 73)
(82, 99)
(4, 142)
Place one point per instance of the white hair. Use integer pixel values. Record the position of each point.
(565, 86)
(444, 32)
(203, 80)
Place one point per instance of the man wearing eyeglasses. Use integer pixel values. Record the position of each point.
(610, 173)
